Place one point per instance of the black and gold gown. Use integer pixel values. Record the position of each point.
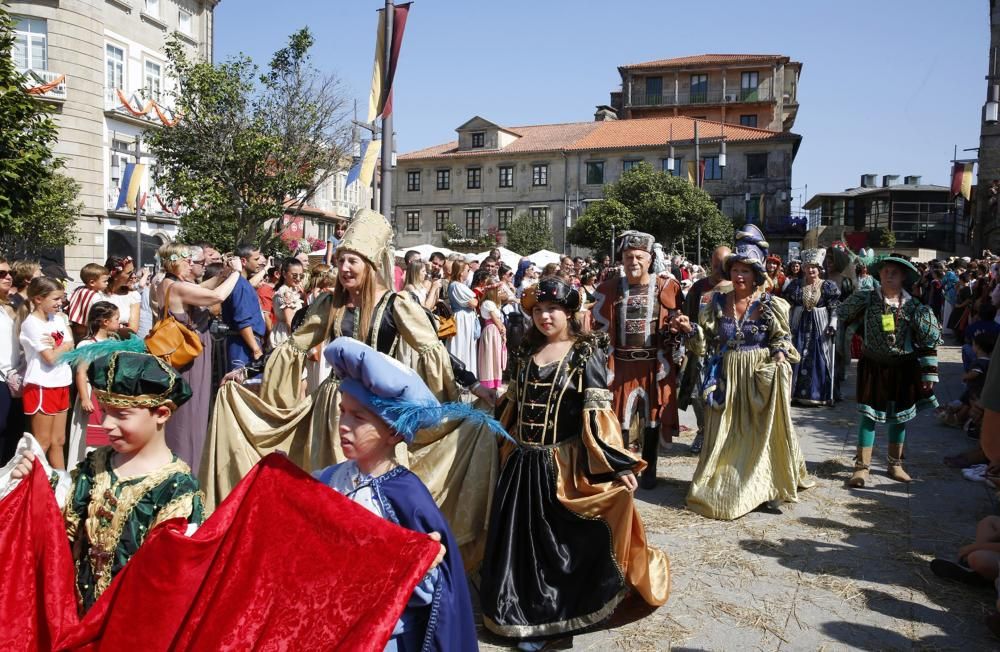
(565, 539)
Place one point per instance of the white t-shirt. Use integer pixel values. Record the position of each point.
(38, 371)
(124, 303)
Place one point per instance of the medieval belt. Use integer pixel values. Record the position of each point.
(636, 354)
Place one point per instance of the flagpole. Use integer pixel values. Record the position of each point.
(138, 210)
(385, 181)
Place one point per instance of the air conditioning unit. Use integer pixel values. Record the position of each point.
(731, 97)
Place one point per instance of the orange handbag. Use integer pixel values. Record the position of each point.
(171, 340)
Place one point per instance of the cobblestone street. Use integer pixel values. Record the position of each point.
(841, 569)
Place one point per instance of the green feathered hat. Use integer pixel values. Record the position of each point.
(912, 274)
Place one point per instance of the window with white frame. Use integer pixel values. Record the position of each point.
(31, 43)
(153, 7)
(114, 58)
(184, 21)
(154, 80)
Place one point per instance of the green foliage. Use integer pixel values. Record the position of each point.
(251, 145)
(663, 205)
(882, 237)
(27, 134)
(527, 234)
(50, 222)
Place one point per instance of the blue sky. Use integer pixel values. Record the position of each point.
(887, 87)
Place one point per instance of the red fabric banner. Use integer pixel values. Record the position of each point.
(398, 27)
(284, 563)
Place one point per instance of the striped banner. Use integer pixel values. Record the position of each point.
(128, 192)
(961, 179)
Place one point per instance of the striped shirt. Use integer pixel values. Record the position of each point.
(79, 304)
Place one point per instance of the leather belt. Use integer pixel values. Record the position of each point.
(636, 354)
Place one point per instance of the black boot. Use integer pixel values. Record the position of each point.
(650, 453)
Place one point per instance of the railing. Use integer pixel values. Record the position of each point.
(45, 83)
(685, 96)
(137, 106)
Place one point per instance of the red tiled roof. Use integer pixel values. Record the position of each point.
(609, 134)
(709, 59)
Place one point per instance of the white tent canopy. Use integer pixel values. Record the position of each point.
(508, 257)
(425, 250)
(544, 257)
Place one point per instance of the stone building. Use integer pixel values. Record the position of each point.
(753, 90)
(104, 70)
(491, 173)
(987, 204)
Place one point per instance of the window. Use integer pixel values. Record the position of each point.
(472, 222)
(184, 21)
(749, 120)
(153, 80)
(153, 7)
(712, 169)
(478, 139)
(654, 90)
(474, 178)
(756, 166)
(748, 86)
(413, 181)
(441, 219)
(753, 209)
(31, 44)
(540, 174)
(443, 179)
(504, 216)
(412, 220)
(595, 172)
(540, 212)
(628, 165)
(699, 89)
(506, 174)
(115, 60)
(678, 166)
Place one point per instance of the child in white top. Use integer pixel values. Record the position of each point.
(45, 335)
(87, 431)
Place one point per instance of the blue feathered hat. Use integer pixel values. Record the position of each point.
(750, 248)
(395, 392)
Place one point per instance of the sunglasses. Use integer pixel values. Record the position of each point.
(297, 277)
(198, 262)
(4, 273)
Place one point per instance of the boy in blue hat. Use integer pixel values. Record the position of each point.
(382, 404)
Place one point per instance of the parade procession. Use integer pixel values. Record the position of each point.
(608, 384)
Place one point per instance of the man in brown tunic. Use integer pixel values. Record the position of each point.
(635, 311)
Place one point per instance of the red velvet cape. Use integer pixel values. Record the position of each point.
(284, 563)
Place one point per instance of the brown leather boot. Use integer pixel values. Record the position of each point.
(895, 462)
(862, 462)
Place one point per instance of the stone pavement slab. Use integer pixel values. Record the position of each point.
(842, 569)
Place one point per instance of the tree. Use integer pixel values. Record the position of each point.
(37, 205)
(50, 222)
(527, 234)
(250, 146)
(663, 205)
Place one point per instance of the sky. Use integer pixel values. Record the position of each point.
(887, 87)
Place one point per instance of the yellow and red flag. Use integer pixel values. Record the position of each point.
(961, 179)
(380, 98)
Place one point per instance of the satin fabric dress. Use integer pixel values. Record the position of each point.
(751, 452)
(565, 540)
(456, 461)
(813, 377)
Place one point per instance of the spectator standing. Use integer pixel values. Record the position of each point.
(463, 307)
(492, 343)
(288, 300)
(121, 270)
(11, 372)
(24, 272)
(333, 241)
(86, 429)
(265, 294)
(95, 282)
(242, 314)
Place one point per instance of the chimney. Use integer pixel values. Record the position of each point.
(889, 180)
(868, 180)
(605, 112)
(911, 180)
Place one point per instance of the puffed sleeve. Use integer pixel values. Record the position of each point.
(602, 435)
(926, 334)
(75, 509)
(854, 307)
(702, 336)
(431, 361)
(780, 333)
(283, 373)
(506, 408)
(182, 500)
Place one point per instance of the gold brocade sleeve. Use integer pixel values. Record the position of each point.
(602, 435)
(283, 373)
(698, 342)
(780, 333)
(431, 361)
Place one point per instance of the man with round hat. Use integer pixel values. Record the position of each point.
(898, 365)
(635, 311)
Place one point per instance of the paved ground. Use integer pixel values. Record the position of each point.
(841, 569)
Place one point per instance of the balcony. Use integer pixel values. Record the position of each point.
(136, 108)
(45, 84)
(687, 97)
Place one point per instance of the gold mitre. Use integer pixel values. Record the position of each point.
(370, 235)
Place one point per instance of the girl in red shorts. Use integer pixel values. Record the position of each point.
(45, 335)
